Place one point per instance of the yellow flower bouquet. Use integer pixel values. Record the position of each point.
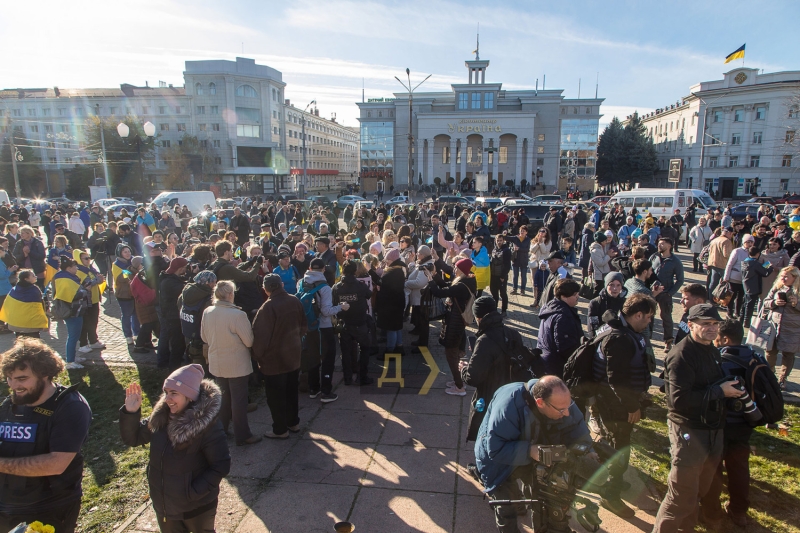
(38, 527)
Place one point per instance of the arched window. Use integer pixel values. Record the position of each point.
(246, 91)
(212, 88)
(198, 88)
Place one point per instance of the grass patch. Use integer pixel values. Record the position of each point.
(114, 478)
(774, 467)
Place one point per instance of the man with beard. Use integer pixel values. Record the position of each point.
(43, 426)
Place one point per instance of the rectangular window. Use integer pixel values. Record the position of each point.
(663, 201)
(215, 127)
(736, 138)
(488, 100)
(540, 137)
(201, 127)
(112, 110)
(540, 149)
(162, 110)
(218, 160)
(46, 112)
(17, 112)
(761, 113)
(503, 154)
(65, 128)
(216, 143)
(540, 162)
(145, 110)
(446, 155)
(48, 129)
(34, 129)
(165, 143)
(789, 136)
(643, 202)
(128, 110)
(733, 161)
(247, 130)
(715, 138)
(476, 100)
(787, 161)
(31, 112)
(181, 127)
(201, 110)
(215, 110)
(52, 160)
(164, 127)
(713, 161)
(755, 160)
(177, 110)
(204, 143)
(757, 137)
(717, 116)
(738, 115)
(784, 185)
(274, 95)
(274, 114)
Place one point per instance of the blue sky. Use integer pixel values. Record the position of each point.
(647, 54)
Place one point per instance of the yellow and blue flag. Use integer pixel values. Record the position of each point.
(119, 267)
(97, 287)
(53, 264)
(737, 54)
(23, 308)
(481, 267)
(66, 286)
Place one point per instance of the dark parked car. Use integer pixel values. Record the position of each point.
(535, 213)
(742, 210)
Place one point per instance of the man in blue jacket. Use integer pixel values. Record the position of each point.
(520, 417)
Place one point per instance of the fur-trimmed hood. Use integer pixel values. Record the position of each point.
(193, 421)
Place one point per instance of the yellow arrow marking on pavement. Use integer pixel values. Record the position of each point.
(434, 370)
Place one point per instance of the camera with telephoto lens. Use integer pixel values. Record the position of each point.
(564, 478)
(744, 404)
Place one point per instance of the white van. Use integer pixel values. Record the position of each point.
(4, 197)
(194, 200)
(659, 202)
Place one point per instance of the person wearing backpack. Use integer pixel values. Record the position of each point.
(278, 329)
(316, 297)
(194, 299)
(742, 416)
(75, 299)
(560, 332)
(489, 366)
(619, 366)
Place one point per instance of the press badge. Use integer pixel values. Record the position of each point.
(16, 432)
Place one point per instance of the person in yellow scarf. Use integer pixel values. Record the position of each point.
(68, 289)
(96, 284)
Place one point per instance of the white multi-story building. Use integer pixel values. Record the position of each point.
(236, 109)
(535, 136)
(750, 121)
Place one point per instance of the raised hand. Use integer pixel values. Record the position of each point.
(133, 398)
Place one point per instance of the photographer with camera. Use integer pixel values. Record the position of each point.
(696, 389)
(520, 417)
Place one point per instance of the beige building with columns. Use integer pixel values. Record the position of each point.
(517, 138)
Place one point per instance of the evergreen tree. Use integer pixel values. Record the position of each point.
(608, 154)
(641, 154)
(625, 154)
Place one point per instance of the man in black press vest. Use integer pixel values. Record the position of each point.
(43, 426)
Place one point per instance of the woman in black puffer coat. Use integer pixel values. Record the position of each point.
(188, 448)
(587, 238)
(460, 293)
(612, 298)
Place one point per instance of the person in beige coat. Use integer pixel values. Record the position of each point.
(719, 252)
(229, 335)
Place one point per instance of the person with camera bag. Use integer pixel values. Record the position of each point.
(520, 417)
(696, 389)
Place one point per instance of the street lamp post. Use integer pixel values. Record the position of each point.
(149, 130)
(302, 188)
(410, 134)
(103, 148)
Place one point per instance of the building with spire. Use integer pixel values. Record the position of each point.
(517, 138)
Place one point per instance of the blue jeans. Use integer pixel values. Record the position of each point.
(130, 322)
(523, 270)
(393, 338)
(74, 327)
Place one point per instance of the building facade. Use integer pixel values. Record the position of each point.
(749, 122)
(236, 109)
(533, 137)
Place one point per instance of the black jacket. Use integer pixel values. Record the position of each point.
(691, 375)
(171, 288)
(459, 293)
(598, 306)
(355, 293)
(753, 274)
(488, 368)
(188, 452)
(500, 262)
(390, 302)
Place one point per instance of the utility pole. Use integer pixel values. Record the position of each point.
(103, 149)
(302, 188)
(410, 123)
(14, 156)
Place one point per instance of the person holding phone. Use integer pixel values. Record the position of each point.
(782, 301)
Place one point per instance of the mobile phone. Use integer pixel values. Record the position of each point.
(766, 264)
(472, 340)
(781, 296)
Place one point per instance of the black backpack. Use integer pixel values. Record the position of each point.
(524, 363)
(578, 370)
(763, 387)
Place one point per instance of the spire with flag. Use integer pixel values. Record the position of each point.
(738, 53)
(477, 50)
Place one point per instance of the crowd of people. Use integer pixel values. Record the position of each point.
(266, 294)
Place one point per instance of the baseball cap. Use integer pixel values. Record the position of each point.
(703, 312)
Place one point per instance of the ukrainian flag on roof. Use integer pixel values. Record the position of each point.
(738, 54)
(23, 308)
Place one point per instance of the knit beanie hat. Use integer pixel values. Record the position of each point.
(483, 306)
(464, 265)
(611, 276)
(186, 380)
(392, 256)
(600, 236)
(424, 252)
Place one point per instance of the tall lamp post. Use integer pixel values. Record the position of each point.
(302, 188)
(410, 135)
(149, 130)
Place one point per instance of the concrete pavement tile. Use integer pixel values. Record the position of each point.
(363, 398)
(258, 460)
(473, 514)
(436, 402)
(466, 483)
(301, 507)
(395, 511)
(412, 468)
(430, 431)
(325, 461)
(348, 425)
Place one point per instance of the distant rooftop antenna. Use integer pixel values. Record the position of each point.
(477, 51)
(579, 88)
(362, 90)
(597, 85)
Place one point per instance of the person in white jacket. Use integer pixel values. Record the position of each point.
(418, 279)
(733, 276)
(601, 254)
(541, 244)
(76, 225)
(699, 237)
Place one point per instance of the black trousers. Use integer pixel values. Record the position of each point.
(281, 392)
(171, 344)
(736, 458)
(355, 343)
(90, 320)
(419, 319)
(736, 305)
(145, 335)
(750, 304)
(63, 519)
(499, 287)
(234, 406)
(201, 523)
(618, 433)
(321, 376)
